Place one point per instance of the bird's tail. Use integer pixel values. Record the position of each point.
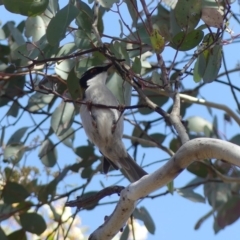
(131, 170)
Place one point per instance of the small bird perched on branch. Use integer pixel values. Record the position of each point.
(104, 126)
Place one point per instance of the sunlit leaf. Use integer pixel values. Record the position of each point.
(157, 41)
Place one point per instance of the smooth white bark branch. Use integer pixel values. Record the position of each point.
(193, 150)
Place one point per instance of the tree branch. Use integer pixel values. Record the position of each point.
(193, 150)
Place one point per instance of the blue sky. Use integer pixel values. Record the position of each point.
(173, 215)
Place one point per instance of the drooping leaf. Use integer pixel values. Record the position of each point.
(64, 67)
(14, 192)
(47, 153)
(35, 28)
(84, 40)
(38, 101)
(56, 29)
(191, 195)
(125, 233)
(121, 89)
(157, 40)
(133, 10)
(137, 65)
(17, 136)
(62, 118)
(228, 214)
(73, 85)
(142, 214)
(33, 222)
(14, 152)
(67, 137)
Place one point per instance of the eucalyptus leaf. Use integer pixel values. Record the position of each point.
(57, 27)
(33, 222)
(47, 153)
(62, 118)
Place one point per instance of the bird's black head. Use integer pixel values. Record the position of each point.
(91, 73)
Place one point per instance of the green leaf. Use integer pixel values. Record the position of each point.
(33, 222)
(2, 235)
(62, 118)
(199, 169)
(64, 67)
(38, 101)
(157, 41)
(125, 234)
(73, 85)
(14, 193)
(26, 7)
(14, 152)
(17, 136)
(58, 25)
(228, 213)
(188, 13)
(84, 40)
(13, 110)
(19, 234)
(217, 193)
(142, 214)
(84, 19)
(155, 137)
(235, 139)
(137, 65)
(170, 187)
(121, 89)
(35, 28)
(133, 11)
(66, 49)
(15, 33)
(47, 153)
(185, 42)
(120, 52)
(67, 137)
(191, 195)
(85, 152)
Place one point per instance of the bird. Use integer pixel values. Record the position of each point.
(104, 126)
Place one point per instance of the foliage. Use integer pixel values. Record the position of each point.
(41, 60)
